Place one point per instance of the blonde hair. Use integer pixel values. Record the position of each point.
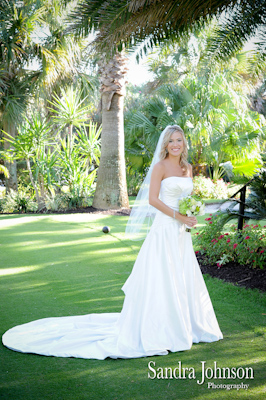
(163, 153)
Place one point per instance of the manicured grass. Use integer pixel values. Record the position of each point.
(59, 265)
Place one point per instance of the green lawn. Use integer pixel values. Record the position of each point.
(59, 265)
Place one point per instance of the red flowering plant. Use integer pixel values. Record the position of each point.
(244, 247)
(251, 246)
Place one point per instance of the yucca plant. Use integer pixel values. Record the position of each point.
(29, 145)
(68, 111)
(78, 167)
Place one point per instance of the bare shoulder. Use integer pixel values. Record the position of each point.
(190, 173)
(159, 166)
(159, 169)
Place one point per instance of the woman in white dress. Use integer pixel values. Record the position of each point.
(167, 306)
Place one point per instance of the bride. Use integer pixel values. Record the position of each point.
(167, 306)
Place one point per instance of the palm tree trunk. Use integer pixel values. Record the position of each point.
(111, 189)
(11, 181)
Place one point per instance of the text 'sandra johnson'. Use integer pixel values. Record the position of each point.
(214, 372)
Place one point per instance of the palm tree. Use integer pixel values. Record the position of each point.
(149, 23)
(111, 189)
(59, 55)
(56, 57)
(18, 20)
(245, 20)
(122, 24)
(216, 120)
(135, 21)
(130, 23)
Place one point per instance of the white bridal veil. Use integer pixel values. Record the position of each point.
(142, 213)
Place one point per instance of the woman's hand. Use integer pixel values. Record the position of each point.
(189, 221)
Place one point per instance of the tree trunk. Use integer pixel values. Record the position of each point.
(111, 188)
(11, 182)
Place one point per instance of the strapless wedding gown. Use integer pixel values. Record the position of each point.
(166, 308)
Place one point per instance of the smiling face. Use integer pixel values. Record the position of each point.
(176, 144)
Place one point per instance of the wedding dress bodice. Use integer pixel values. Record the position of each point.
(172, 190)
(175, 188)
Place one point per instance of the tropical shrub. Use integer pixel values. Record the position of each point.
(74, 201)
(2, 191)
(203, 187)
(53, 162)
(207, 189)
(67, 201)
(134, 181)
(222, 244)
(255, 203)
(30, 145)
(18, 202)
(56, 202)
(218, 124)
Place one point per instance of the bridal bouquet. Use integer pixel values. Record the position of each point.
(191, 205)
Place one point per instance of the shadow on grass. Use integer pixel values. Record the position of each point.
(61, 265)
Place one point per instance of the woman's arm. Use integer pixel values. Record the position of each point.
(155, 185)
(190, 173)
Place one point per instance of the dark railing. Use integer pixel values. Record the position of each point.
(241, 201)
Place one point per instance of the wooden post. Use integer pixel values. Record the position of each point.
(241, 208)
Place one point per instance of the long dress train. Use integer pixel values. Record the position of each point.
(166, 308)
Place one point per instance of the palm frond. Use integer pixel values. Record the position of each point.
(255, 204)
(236, 29)
(128, 23)
(247, 167)
(4, 170)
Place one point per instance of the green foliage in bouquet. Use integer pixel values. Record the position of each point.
(191, 205)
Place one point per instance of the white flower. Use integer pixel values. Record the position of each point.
(189, 124)
(193, 208)
(199, 203)
(169, 110)
(189, 213)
